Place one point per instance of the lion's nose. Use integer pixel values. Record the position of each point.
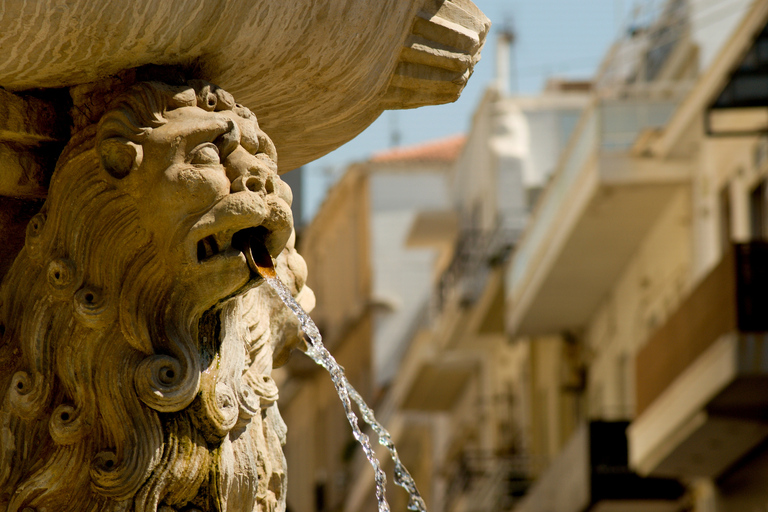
(252, 183)
(245, 172)
(249, 173)
(274, 185)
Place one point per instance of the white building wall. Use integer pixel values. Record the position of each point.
(402, 276)
(513, 148)
(473, 177)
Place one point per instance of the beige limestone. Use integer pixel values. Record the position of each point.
(136, 347)
(31, 135)
(316, 72)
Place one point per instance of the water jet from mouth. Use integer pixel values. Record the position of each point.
(260, 262)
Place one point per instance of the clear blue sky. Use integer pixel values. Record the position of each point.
(565, 38)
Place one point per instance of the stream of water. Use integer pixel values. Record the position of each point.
(318, 352)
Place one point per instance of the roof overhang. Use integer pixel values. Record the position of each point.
(713, 83)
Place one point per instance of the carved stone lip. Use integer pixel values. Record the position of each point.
(222, 266)
(217, 244)
(247, 247)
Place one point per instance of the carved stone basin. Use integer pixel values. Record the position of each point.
(315, 72)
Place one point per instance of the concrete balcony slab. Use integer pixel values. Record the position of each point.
(602, 201)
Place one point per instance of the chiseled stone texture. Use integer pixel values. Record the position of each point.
(136, 346)
(32, 133)
(316, 72)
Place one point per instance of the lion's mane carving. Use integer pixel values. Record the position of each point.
(132, 378)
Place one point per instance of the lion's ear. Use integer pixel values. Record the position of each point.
(119, 156)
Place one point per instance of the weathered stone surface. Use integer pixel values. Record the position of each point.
(14, 216)
(316, 72)
(135, 344)
(438, 56)
(32, 133)
(29, 120)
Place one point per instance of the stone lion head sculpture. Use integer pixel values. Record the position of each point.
(135, 349)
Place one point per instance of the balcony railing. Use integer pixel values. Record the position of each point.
(476, 252)
(482, 482)
(591, 473)
(701, 377)
(575, 157)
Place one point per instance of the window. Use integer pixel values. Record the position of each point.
(319, 496)
(726, 221)
(757, 212)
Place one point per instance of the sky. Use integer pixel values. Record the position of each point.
(554, 38)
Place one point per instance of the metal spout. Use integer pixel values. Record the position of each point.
(258, 258)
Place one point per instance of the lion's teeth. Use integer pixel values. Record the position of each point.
(222, 241)
(207, 248)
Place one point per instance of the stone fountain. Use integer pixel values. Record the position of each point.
(136, 343)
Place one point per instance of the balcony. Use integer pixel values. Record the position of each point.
(476, 252)
(466, 307)
(592, 474)
(485, 482)
(702, 377)
(601, 196)
(438, 382)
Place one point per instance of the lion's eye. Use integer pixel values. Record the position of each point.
(205, 154)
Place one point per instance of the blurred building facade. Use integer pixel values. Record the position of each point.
(644, 266)
(437, 247)
(336, 247)
(402, 183)
(571, 313)
(371, 292)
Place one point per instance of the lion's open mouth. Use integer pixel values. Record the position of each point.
(227, 241)
(251, 242)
